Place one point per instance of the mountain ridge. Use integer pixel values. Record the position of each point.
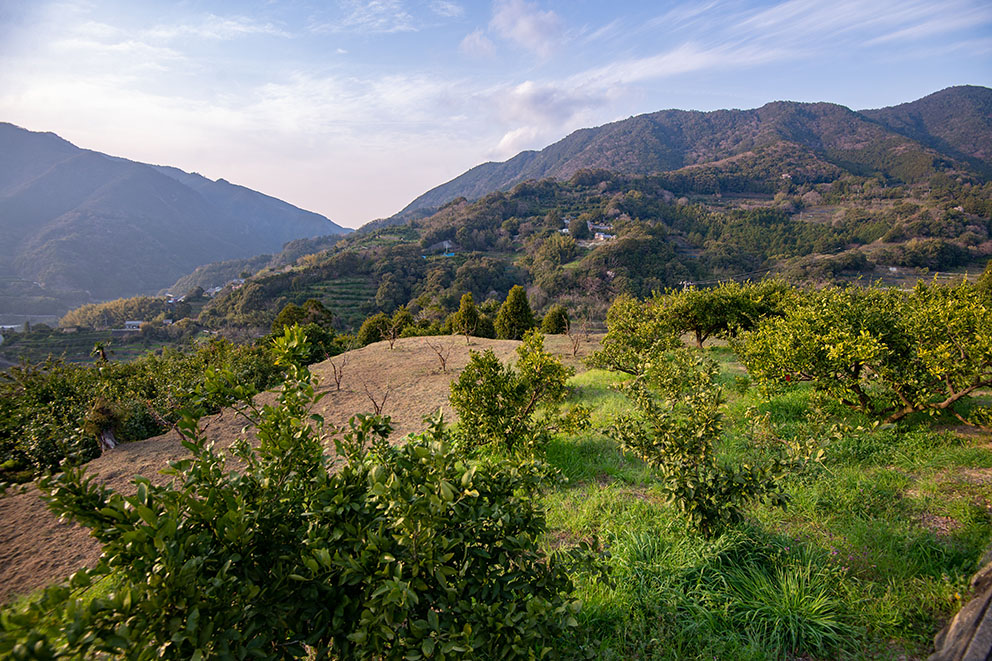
(78, 219)
(862, 142)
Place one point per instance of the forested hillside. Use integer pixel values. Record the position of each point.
(945, 131)
(97, 226)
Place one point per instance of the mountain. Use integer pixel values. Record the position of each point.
(946, 130)
(78, 220)
(956, 121)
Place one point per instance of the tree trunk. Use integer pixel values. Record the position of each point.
(107, 440)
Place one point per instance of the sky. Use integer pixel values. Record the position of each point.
(352, 109)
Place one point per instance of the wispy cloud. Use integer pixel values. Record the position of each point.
(217, 28)
(685, 58)
(371, 16)
(937, 25)
(477, 44)
(524, 24)
(812, 23)
(447, 9)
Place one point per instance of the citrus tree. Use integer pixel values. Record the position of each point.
(635, 333)
(403, 553)
(514, 408)
(886, 352)
(676, 421)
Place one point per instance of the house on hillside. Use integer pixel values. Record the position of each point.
(133, 325)
(445, 246)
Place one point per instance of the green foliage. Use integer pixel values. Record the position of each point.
(557, 250)
(555, 321)
(311, 312)
(466, 320)
(721, 311)
(636, 333)
(515, 316)
(512, 408)
(405, 552)
(373, 329)
(578, 229)
(679, 419)
(43, 406)
(883, 351)
(984, 283)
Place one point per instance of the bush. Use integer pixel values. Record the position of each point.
(514, 408)
(555, 320)
(404, 552)
(373, 329)
(679, 418)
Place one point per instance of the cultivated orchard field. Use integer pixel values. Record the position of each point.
(816, 483)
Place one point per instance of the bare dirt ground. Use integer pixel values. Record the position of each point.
(36, 549)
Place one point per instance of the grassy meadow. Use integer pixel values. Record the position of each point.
(874, 553)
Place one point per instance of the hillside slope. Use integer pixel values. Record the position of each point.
(75, 219)
(410, 373)
(906, 143)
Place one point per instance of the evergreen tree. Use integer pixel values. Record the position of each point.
(555, 320)
(578, 228)
(467, 317)
(515, 316)
(373, 329)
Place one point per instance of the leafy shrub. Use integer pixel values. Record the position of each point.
(406, 552)
(677, 422)
(514, 408)
(555, 321)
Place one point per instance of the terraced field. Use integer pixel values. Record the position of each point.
(72, 347)
(344, 297)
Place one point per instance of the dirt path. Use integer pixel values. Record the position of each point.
(36, 549)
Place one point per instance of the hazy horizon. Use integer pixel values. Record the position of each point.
(355, 108)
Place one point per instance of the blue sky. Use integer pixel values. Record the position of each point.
(353, 108)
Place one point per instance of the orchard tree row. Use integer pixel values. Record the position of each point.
(422, 550)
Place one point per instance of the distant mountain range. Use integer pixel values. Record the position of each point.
(948, 130)
(78, 220)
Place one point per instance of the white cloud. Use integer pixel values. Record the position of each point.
(515, 141)
(524, 24)
(477, 44)
(538, 113)
(682, 59)
(370, 16)
(216, 28)
(447, 9)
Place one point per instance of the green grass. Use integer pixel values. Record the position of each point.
(871, 557)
